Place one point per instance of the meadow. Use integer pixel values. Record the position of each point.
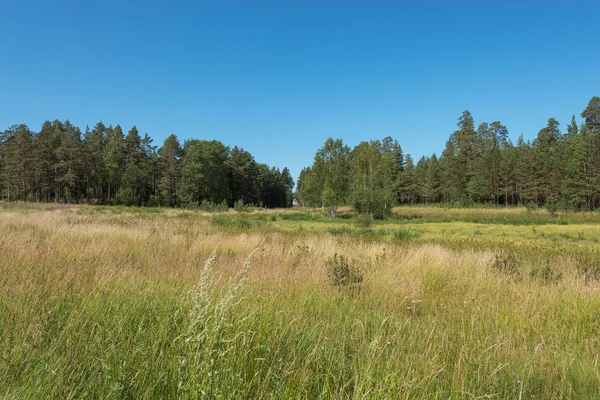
(435, 303)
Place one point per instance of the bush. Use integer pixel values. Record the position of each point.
(237, 222)
(404, 234)
(341, 273)
(340, 231)
(363, 221)
(239, 206)
(552, 204)
(209, 206)
(192, 205)
(532, 207)
(297, 217)
(154, 201)
(126, 197)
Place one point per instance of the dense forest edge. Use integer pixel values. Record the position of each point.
(558, 170)
(104, 166)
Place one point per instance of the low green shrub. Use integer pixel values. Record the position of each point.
(341, 273)
(238, 222)
(363, 221)
(404, 234)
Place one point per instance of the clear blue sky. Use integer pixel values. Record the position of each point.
(277, 78)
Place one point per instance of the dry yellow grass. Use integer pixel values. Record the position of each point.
(426, 322)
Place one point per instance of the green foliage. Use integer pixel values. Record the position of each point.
(479, 165)
(552, 204)
(102, 166)
(239, 206)
(341, 273)
(209, 206)
(297, 217)
(363, 221)
(404, 234)
(238, 222)
(126, 197)
(341, 231)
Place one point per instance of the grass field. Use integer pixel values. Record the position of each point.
(127, 303)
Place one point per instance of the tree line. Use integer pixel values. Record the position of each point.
(105, 166)
(478, 165)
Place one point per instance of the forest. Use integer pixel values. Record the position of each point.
(105, 166)
(478, 166)
(558, 169)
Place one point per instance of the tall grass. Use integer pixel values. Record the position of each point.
(95, 304)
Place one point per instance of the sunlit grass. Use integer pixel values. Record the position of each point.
(102, 304)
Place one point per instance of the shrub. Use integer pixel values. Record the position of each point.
(209, 206)
(552, 204)
(341, 273)
(363, 221)
(532, 207)
(239, 206)
(154, 201)
(340, 231)
(404, 234)
(238, 222)
(297, 217)
(125, 197)
(192, 205)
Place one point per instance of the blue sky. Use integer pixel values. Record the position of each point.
(277, 78)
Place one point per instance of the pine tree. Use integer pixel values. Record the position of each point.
(432, 180)
(94, 169)
(407, 183)
(170, 158)
(45, 146)
(114, 158)
(17, 174)
(138, 175)
(450, 173)
(69, 167)
(243, 176)
(549, 169)
(287, 187)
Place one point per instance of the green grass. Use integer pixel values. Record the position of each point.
(238, 222)
(132, 304)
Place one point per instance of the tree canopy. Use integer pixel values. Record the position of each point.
(103, 165)
(477, 165)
